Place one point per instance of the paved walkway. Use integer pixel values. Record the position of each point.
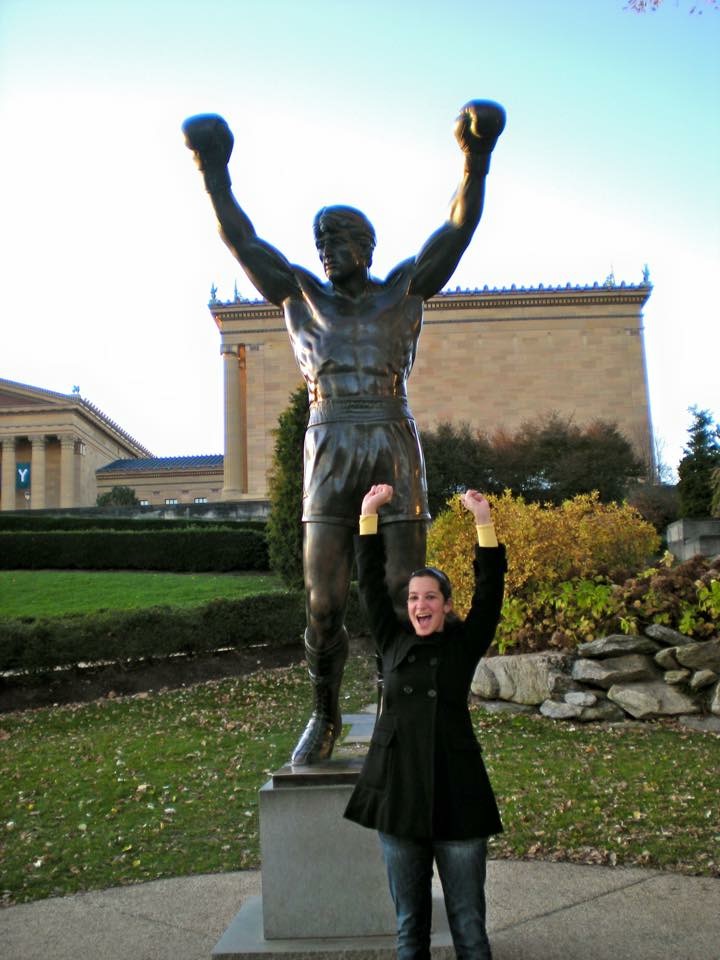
(537, 911)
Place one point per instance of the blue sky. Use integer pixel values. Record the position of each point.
(609, 161)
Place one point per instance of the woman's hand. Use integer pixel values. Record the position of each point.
(378, 495)
(477, 505)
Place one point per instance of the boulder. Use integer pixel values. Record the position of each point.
(617, 643)
(646, 700)
(526, 678)
(505, 706)
(580, 698)
(700, 656)
(604, 711)
(715, 700)
(485, 683)
(702, 679)
(556, 710)
(701, 724)
(604, 673)
(671, 638)
(676, 676)
(666, 660)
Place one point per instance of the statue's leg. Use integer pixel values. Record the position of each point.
(405, 544)
(404, 552)
(327, 563)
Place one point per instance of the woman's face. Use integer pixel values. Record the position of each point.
(426, 606)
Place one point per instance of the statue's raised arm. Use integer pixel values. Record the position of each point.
(477, 129)
(211, 141)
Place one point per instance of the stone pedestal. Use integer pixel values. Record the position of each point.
(322, 876)
(324, 887)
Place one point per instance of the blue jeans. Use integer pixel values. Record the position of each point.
(461, 866)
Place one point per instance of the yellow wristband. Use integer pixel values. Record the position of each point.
(368, 524)
(486, 535)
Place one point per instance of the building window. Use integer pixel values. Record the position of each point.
(200, 500)
(144, 503)
(170, 501)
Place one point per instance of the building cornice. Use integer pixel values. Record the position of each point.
(76, 403)
(478, 299)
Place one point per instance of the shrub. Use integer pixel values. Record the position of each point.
(284, 527)
(580, 538)
(38, 645)
(562, 562)
(183, 550)
(118, 497)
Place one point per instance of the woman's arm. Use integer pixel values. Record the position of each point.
(489, 565)
(370, 553)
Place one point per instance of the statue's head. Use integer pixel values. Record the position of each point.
(348, 225)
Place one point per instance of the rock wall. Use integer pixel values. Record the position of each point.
(661, 674)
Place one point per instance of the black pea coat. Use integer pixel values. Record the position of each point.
(424, 777)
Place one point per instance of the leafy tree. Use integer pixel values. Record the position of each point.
(702, 458)
(285, 481)
(547, 460)
(565, 460)
(454, 457)
(118, 497)
(657, 503)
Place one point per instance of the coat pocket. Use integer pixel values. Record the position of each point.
(378, 762)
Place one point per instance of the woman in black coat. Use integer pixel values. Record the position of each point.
(423, 785)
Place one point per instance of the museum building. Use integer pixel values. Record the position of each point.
(492, 358)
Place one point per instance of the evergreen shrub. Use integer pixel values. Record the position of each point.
(37, 645)
(39, 522)
(182, 550)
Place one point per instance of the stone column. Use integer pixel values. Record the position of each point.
(235, 463)
(7, 490)
(67, 471)
(37, 475)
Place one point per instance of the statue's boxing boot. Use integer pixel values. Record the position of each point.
(325, 668)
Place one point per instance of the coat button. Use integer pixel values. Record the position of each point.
(407, 689)
(432, 693)
(411, 658)
(433, 661)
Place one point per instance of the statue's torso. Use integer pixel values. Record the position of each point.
(362, 346)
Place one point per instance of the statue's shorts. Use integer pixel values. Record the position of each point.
(352, 443)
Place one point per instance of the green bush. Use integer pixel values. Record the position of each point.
(39, 522)
(546, 544)
(42, 644)
(184, 550)
(285, 481)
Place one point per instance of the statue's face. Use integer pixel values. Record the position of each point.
(341, 257)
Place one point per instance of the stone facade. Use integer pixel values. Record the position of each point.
(491, 358)
(51, 445)
(166, 481)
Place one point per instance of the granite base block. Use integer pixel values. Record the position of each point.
(322, 876)
(244, 940)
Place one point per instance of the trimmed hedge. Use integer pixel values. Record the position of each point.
(183, 550)
(157, 632)
(39, 522)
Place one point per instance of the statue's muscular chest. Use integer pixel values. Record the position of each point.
(374, 334)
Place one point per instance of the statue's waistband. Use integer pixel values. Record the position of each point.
(359, 409)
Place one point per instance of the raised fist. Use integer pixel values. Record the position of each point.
(478, 126)
(210, 139)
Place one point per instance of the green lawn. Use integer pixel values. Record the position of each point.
(50, 593)
(165, 784)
